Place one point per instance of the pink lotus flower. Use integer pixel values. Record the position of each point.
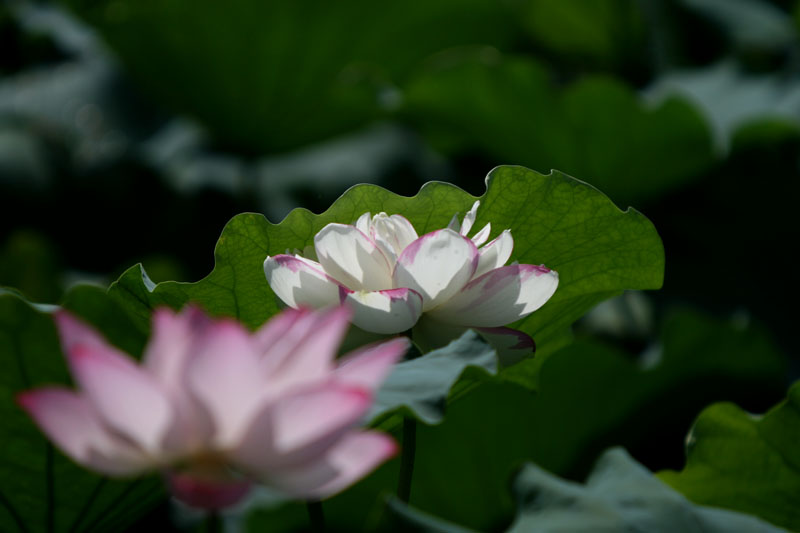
(439, 284)
(215, 407)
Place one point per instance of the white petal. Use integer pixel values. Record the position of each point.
(469, 218)
(483, 235)
(69, 420)
(301, 282)
(389, 311)
(224, 375)
(367, 367)
(352, 458)
(364, 223)
(437, 266)
(126, 398)
(352, 258)
(499, 297)
(392, 234)
(495, 254)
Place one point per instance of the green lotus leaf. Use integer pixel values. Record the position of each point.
(40, 489)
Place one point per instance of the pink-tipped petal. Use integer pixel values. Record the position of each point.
(351, 459)
(73, 331)
(368, 366)
(127, 398)
(209, 494)
(169, 346)
(352, 258)
(511, 345)
(276, 327)
(305, 352)
(437, 266)
(70, 422)
(390, 311)
(499, 297)
(224, 375)
(483, 235)
(300, 427)
(301, 282)
(495, 254)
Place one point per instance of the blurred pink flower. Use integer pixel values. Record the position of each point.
(215, 407)
(442, 282)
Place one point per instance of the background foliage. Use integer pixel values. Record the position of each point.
(178, 136)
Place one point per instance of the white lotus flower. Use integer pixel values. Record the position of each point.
(439, 284)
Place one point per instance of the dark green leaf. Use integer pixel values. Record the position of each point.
(619, 495)
(40, 489)
(597, 128)
(744, 462)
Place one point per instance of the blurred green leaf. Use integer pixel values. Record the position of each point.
(744, 462)
(508, 109)
(604, 33)
(619, 495)
(557, 220)
(270, 76)
(28, 262)
(421, 386)
(40, 489)
(589, 397)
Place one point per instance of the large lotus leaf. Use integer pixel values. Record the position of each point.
(619, 495)
(598, 129)
(744, 462)
(275, 75)
(40, 489)
(597, 249)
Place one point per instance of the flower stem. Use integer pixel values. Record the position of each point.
(213, 523)
(316, 516)
(407, 459)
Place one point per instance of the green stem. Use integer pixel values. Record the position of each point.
(213, 523)
(407, 459)
(316, 516)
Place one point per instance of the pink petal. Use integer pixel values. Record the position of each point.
(495, 254)
(299, 427)
(511, 345)
(390, 311)
(70, 422)
(499, 297)
(437, 266)
(352, 458)
(352, 258)
(301, 282)
(126, 398)
(305, 352)
(368, 366)
(224, 375)
(72, 331)
(276, 327)
(170, 342)
(209, 494)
